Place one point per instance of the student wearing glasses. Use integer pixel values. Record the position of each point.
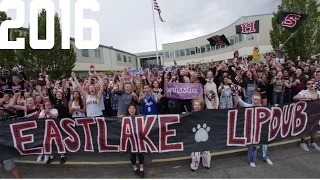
(252, 149)
(306, 95)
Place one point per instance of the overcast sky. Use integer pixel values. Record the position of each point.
(128, 25)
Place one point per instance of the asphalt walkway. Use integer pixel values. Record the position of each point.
(289, 162)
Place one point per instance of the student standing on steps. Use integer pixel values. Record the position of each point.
(252, 149)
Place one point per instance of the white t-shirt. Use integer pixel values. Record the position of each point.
(210, 89)
(93, 106)
(53, 111)
(307, 94)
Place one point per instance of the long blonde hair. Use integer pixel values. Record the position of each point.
(136, 88)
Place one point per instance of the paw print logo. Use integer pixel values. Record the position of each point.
(201, 133)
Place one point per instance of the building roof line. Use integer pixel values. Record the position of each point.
(219, 29)
(100, 45)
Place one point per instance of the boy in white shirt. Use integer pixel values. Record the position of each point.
(49, 112)
(306, 95)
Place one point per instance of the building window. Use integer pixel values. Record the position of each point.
(85, 52)
(213, 48)
(119, 57)
(166, 54)
(129, 58)
(240, 37)
(236, 39)
(203, 49)
(193, 51)
(124, 58)
(217, 47)
(97, 53)
(187, 52)
(182, 52)
(208, 48)
(198, 50)
(171, 54)
(177, 53)
(231, 40)
(249, 37)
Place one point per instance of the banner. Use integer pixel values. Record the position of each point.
(291, 21)
(183, 90)
(219, 41)
(248, 28)
(199, 131)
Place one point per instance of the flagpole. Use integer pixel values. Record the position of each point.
(288, 39)
(155, 32)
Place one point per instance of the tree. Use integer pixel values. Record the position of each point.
(7, 56)
(56, 62)
(305, 41)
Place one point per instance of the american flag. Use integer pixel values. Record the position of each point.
(156, 7)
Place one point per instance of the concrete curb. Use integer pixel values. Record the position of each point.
(221, 153)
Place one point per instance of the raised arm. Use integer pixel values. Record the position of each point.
(241, 102)
(101, 85)
(81, 90)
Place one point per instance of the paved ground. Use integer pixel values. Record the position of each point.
(289, 162)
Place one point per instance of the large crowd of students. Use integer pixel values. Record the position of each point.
(226, 84)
